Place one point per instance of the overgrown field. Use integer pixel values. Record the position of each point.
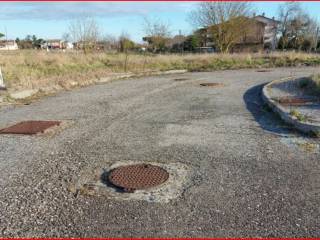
(40, 69)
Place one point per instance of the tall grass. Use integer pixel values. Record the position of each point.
(39, 69)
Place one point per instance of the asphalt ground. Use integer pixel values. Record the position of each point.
(251, 175)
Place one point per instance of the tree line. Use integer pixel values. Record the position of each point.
(226, 21)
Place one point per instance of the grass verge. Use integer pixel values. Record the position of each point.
(33, 69)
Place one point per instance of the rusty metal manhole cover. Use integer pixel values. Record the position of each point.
(263, 70)
(138, 176)
(29, 127)
(181, 79)
(211, 84)
(295, 101)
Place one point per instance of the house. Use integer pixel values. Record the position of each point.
(176, 43)
(8, 45)
(270, 31)
(56, 44)
(260, 34)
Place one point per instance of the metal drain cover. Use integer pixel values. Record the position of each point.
(29, 127)
(211, 84)
(138, 176)
(295, 101)
(180, 79)
(263, 70)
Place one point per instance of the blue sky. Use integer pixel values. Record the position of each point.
(51, 19)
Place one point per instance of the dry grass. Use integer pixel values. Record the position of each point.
(39, 69)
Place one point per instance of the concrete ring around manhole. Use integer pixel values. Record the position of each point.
(171, 182)
(212, 84)
(35, 127)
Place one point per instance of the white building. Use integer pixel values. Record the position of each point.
(270, 31)
(8, 45)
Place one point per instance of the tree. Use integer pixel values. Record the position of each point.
(1, 35)
(157, 33)
(213, 13)
(85, 32)
(287, 13)
(191, 43)
(298, 30)
(125, 45)
(111, 42)
(66, 37)
(36, 42)
(225, 21)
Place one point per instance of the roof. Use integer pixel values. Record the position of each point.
(8, 42)
(53, 40)
(262, 17)
(203, 29)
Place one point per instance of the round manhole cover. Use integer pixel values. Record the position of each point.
(138, 176)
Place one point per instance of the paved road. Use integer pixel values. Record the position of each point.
(252, 176)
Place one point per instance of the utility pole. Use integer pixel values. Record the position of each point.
(2, 85)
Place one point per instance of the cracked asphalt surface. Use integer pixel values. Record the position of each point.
(246, 182)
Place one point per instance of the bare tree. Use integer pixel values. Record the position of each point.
(111, 42)
(227, 22)
(213, 13)
(157, 33)
(287, 13)
(66, 37)
(85, 32)
(297, 28)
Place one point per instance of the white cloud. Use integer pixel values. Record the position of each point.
(68, 10)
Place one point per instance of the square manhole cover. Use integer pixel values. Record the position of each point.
(29, 127)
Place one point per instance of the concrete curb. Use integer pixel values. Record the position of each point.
(305, 127)
(19, 95)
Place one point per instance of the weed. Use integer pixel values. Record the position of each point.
(300, 117)
(308, 147)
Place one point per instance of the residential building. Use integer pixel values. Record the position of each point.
(270, 31)
(56, 44)
(261, 34)
(8, 45)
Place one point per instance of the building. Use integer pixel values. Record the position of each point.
(56, 44)
(270, 31)
(260, 34)
(8, 45)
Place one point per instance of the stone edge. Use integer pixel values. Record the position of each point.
(305, 127)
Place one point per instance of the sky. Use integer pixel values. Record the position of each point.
(51, 19)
